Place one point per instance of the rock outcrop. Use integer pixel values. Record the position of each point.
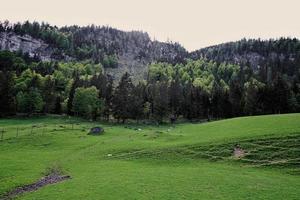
(33, 47)
(135, 50)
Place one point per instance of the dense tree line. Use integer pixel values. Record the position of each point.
(266, 57)
(198, 89)
(226, 51)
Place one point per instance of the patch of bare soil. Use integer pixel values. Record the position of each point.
(238, 152)
(47, 180)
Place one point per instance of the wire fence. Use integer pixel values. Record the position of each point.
(40, 129)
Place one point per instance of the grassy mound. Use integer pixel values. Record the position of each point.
(281, 151)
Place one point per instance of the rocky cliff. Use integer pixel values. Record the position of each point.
(34, 47)
(134, 50)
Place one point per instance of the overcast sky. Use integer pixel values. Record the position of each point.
(193, 23)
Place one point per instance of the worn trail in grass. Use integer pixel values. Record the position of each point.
(95, 175)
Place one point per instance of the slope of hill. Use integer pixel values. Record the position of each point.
(118, 51)
(266, 57)
(121, 51)
(150, 162)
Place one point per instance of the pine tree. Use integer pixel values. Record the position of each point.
(281, 91)
(175, 94)
(160, 101)
(48, 94)
(7, 98)
(75, 84)
(57, 108)
(122, 99)
(108, 98)
(236, 97)
(137, 101)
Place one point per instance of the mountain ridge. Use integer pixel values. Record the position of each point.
(132, 51)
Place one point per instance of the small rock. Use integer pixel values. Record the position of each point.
(96, 131)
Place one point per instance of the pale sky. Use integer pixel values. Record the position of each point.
(193, 23)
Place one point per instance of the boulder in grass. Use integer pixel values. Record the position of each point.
(96, 131)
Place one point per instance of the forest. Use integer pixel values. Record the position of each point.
(193, 90)
(247, 77)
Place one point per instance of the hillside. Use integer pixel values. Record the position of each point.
(153, 162)
(118, 51)
(133, 51)
(265, 57)
(104, 73)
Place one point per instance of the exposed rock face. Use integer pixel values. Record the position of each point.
(135, 58)
(26, 44)
(135, 50)
(127, 63)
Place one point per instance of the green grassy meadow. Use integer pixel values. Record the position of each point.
(184, 161)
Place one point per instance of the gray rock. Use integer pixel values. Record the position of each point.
(34, 47)
(96, 131)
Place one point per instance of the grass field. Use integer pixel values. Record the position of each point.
(185, 161)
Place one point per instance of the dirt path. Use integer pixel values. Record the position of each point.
(238, 152)
(47, 180)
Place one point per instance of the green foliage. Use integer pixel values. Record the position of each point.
(81, 68)
(147, 109)
(252, 89)
(110, 61)
(49, 34)
(86, 102)
(193, 89)
(160, 72)
(30, 102)
(137, 109)
(201, 73)
(212, 89)
(7, 97)
(160, 101)
(122, 99)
